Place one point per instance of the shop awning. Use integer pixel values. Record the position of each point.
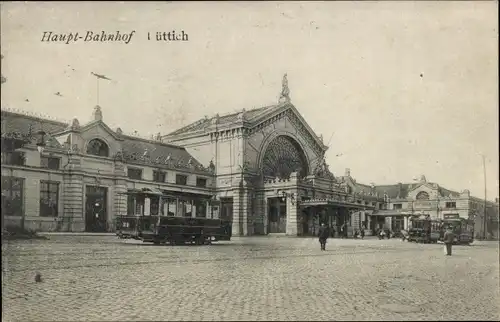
(334, 203)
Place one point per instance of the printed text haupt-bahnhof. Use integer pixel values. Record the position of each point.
(110, 37)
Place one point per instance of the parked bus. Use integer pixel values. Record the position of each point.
(160, 218)
(462, 228)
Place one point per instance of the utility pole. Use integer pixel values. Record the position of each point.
(484, 214)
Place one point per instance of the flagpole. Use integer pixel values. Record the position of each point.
(97, 97)
(97, 84)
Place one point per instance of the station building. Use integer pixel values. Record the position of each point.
(422, 197)
(264, 169)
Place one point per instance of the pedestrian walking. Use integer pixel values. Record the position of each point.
(362, 232)
(448, 239)
(324, 233)
(342, 231)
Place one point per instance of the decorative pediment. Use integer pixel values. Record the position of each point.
(301, 127)
(100, 125)
(423, 191)
(423, 186)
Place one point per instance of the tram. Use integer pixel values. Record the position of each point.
(462, 228)
(159, 218)
(424, 230)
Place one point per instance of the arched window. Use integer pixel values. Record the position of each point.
(98, 147)
(422, 195)
(282, 157)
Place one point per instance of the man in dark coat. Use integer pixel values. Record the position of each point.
(448, 239)
(324, 233)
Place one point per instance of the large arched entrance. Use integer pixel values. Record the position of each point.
(282, 157)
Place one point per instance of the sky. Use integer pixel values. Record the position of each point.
(397, 89)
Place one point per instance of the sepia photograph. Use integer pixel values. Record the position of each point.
(250, 161)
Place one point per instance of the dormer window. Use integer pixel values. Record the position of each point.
(98, 147)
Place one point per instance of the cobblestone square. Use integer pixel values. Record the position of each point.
(106, 279)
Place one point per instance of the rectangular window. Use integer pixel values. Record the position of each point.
(451, 204)
(188, 206)
(14, 158)
(181, 179)
(12, 196)
(130, 205)
(134, 173)
(397, 206)
(201, 182)
(159, 176)
(201, 208)
(181, 211)
(170, 208)
(49, 195)
(50, 163)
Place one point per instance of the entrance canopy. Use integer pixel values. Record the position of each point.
(334, 203)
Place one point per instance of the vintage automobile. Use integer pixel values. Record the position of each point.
(153, 221)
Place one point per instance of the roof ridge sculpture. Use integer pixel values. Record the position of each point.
(35, 115)
(143, 138)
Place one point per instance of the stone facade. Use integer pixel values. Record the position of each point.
(266, 167)
(428, 198)
(78, 169)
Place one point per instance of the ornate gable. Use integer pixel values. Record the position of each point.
(294, 123)
(422, 190)
(287, 125)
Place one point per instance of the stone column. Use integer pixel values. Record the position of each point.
(368, 230)
(291, 208)
(388, 222)
(119, 198)
(355, 220)
(73, 216)
(119, 202)
(237, 225)
(258, 213)
(244, 208)
(265, 217)
(236, 213)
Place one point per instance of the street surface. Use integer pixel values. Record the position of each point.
(101, 278)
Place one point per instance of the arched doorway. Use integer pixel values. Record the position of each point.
(282, 157)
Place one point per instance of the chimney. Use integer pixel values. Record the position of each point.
(347, 172)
